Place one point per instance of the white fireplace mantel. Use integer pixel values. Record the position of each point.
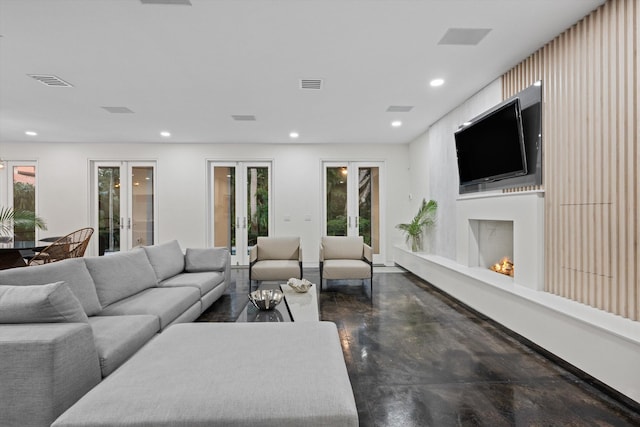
(526, 212)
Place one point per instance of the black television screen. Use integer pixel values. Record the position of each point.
(491, 147)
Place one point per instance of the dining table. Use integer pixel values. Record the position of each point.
(16, 253)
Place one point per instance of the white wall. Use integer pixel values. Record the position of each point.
(64, 193)
(434, 168)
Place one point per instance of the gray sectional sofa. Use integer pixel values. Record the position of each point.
(67, 325)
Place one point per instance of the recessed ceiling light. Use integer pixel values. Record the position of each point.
(165, 134)
(436, 82)
(396, 124)
(31, 133)
(466, 123)
(294, 135)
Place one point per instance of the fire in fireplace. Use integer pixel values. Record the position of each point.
(505, 266)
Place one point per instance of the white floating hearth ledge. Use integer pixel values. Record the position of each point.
(604, 345)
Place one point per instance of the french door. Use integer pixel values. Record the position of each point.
(124, 205)
(352, 202)
(240, 206)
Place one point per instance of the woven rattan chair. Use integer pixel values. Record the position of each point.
(73, 245)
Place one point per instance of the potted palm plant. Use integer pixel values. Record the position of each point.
(424, 219)
(11, 219)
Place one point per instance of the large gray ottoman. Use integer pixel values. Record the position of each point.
(222, 374)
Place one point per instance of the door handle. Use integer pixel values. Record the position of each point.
(121, 223)
(244, 224)
(128, 223)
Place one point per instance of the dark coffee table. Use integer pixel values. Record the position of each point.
(295, 307)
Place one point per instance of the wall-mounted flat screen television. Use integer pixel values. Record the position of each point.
(491, 147)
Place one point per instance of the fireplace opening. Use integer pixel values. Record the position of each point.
(505, 266)
(491, 245)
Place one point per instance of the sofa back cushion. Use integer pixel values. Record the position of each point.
(342, 247)
(279, 248)
(50, 303)
(71, 271)
(121, 275)
(208, 259)
(166, 259)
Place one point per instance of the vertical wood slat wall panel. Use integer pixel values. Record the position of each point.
(591, 128)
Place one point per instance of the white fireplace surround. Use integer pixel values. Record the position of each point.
(493, 225)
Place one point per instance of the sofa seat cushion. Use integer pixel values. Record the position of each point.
(71, 271)
(166, 259)
(273, 248)
(50, 303)
(119, 337)
(204, 374)
(275, 270)
(205, 281)
(164, 303)
(121, 275)
(346, 269)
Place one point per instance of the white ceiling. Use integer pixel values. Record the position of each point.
(188, 69)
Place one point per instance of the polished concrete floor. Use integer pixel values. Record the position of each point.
(418, 358)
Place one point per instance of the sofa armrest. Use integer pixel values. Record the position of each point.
(368, 253)
(44, 369)
(321, 252)
(253, 254)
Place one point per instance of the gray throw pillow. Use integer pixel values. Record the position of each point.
(50, 303)
(166, 259)
(210, 259)
(72, 271)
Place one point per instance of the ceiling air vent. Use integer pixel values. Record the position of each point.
(311, 84)
(50, 80)
(244, 117)
(464, 36)
(399, 108)
(118, 110)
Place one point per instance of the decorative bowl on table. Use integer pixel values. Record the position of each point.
(266, 299)
(299, 285)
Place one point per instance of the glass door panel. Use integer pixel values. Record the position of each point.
(142, 206)
(24, 199)
(224, 206)
(336, 200)
(369, 206)
(108, 209)
(257, 203)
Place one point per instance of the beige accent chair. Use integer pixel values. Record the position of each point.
(275, 258)
(344, 257)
